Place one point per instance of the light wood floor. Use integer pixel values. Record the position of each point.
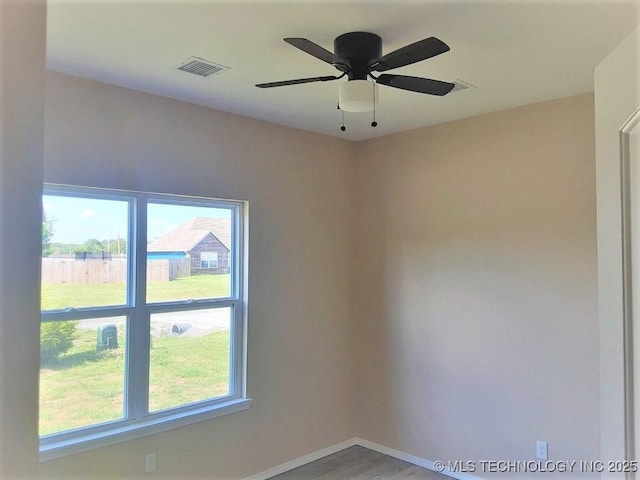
(362, 464)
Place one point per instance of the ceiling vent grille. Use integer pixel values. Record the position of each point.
(201, 67)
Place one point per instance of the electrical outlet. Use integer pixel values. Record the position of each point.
(150, 462)
(542, 450)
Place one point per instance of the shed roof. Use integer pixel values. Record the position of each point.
(185, 237)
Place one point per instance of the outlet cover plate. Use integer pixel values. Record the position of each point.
(150, 463)
(542, 450)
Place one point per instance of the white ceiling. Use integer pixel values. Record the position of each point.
(514, 51)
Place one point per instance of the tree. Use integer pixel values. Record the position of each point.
(92, 245)
(47, 233)
(116, 245)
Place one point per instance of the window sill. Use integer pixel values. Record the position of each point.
(51, 449)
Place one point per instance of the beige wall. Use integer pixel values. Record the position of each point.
(476, 286)
(468, 250)
(299, 186)
(22, 23)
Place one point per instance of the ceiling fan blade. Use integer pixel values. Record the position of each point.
(317, 51)
(416, 84)
(297, 81)
(416, 52)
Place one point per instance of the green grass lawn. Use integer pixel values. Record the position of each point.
(63, 295)
(189, 369)
(86, 387)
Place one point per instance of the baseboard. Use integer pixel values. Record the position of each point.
(318, 454)
(421, 462)
(298, 462)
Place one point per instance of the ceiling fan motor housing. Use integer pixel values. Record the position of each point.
(360, 49)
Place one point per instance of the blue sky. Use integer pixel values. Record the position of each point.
(78, 219)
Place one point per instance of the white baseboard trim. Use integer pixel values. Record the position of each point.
(298, 462)
(407, 457)
(318, 454)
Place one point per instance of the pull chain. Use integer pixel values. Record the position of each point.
(374, 123)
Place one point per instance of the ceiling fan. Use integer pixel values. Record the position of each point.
(359, 54)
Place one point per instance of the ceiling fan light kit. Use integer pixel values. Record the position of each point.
(359, 54)
(357, 96)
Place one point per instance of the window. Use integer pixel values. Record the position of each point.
(209, 259)
(138, 335)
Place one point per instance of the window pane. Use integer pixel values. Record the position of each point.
(190, 357)
(189, 254)
(208, 259)
(82, 365)
(84, 252)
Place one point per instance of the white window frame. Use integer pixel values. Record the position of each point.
(137, 421)
(210, 263)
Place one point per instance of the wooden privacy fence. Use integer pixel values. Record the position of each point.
(69, 270)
